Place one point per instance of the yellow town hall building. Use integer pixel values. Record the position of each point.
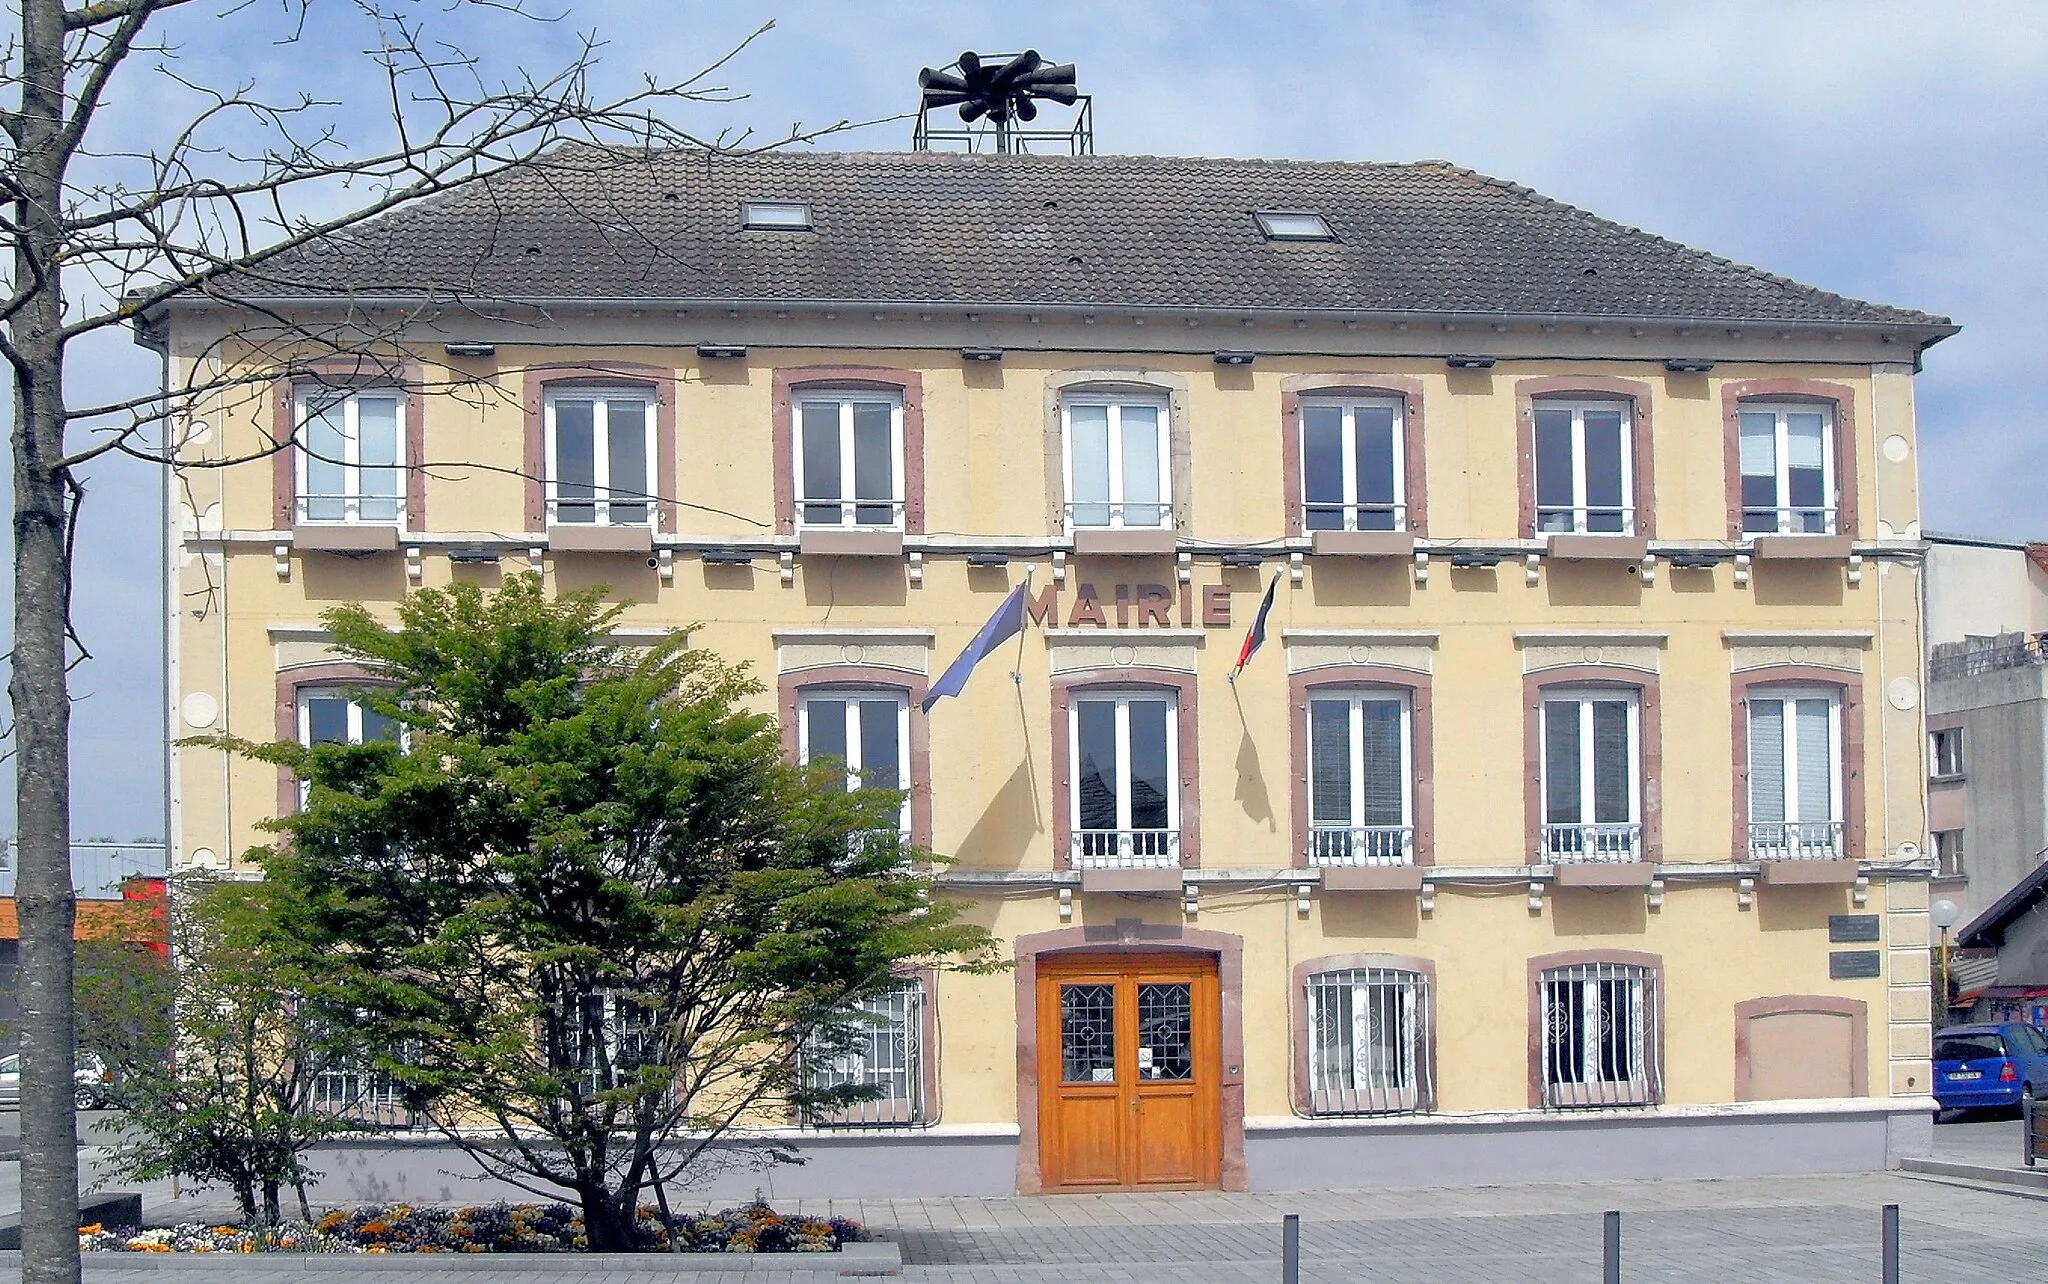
(1568, 822)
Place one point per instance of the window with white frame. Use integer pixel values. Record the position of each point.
(1125, 803)
(1788, 470)
(1360, 803)
(1352, 472)
(1795, 776)
(1945, 752)
(605, 1038)
(1948, 853)
(848, 457)
(330, 717)
(1585, 468)
(1601, 1032)
(1368, 1041)
(1592, 778)
(867, 731)
(883, 1052)
(349, 461)
(1118, 469)
(600, 447)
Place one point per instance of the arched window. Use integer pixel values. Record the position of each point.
(1599, 1030)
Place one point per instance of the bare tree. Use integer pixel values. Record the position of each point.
(212, 203)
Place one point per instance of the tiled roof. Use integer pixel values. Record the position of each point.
(1110, 231)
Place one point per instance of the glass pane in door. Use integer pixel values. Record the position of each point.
(1166, 1031)
(1088, 1033)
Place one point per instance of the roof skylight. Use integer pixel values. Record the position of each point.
(1293, 225)
(776, 216)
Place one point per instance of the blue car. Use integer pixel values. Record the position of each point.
(1988, 1066)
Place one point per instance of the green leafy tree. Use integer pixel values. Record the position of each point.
(581, 907)
(123, 996)
(233, 1104)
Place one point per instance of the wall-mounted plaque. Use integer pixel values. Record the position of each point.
(1852, 927)
(1853, 965)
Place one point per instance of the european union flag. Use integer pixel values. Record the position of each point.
(1007, 622)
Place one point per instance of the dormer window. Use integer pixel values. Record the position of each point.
(1293, 225)
(776, 216)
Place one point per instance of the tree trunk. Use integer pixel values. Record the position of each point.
(42, 710)
(604, 1228)
(273, 1203)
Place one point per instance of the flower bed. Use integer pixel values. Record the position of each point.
(487, 1228)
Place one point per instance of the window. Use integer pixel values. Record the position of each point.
(1352, 477)
(1795, 795)
(605, 1038)
(329, 717)
(1293, 225)
(1600, 1036)
(775, 216)
(1126, 799)
(865, 730)
(1592, 785)
(1788, 470)
(1117, 470)
(349, 463)
(1359, 799)
(600, 448)
(885, 1053)
(1948, 853)
(1367, 1048)
(1945, 752)
(849, 460)
(1585, 468)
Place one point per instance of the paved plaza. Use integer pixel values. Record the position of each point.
(1763, 1231)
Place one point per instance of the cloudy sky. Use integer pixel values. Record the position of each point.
(1892, 151)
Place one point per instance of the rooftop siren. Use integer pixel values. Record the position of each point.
(1005, 92)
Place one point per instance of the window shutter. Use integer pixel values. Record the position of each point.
(1766, 761)
(1612, 769)
(1330, 762)
(1381, 731)
(1816, 761)
(1561, 762)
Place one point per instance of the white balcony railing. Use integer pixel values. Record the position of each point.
(1580, 844)
(1118, 515)
(1355, 517)
(859, 514)
(1126, 849)
(1361, 845)
(1796, 840)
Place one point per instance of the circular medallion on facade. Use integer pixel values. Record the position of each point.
(1904, 693)
(1896, 448)
(1361, 655)
(204, 856)
(1123, 657)
(199, 709)
(1593, 655)
(853, 653)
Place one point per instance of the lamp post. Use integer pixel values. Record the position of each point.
(1944, 913)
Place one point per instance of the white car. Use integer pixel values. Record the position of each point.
(92, 1082)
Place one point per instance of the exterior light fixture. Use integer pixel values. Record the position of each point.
(721, 351)
(1479, 561)
(1688, 365)
(470, 349)
(988, 559)
(472, 553)
(981, 354)
(1234, 358)
(1694, 561)
(1242, 557)
(1469, 363)
(728, 557)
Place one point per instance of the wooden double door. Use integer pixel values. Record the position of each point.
(1129, 1073)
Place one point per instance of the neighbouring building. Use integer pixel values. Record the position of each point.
(120, 891)
(1568, 825)
(1987, 759)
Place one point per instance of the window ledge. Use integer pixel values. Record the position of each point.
(347, 539)
(1371, 878)
(1809, 873)
(1599, 548)
(1605, 874)
(1590, 637)
(1123, 542)
(1363, 543)
(1803, 548)
(828, 541)
(578, 538)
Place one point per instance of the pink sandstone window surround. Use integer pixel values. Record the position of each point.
(1418, 845)
(341, 376)
(1839, 400)
(1633, 397)
(1588, 679)
(906, 387)
(852, 680)
(1400, 391)
(1140, 846)
(543, 381)
(1847, 690)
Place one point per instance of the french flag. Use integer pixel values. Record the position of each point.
(1257, 637)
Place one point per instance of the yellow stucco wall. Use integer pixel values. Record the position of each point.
(986, 475)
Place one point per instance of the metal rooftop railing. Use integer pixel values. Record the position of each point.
(97, 869)
(1987, 655)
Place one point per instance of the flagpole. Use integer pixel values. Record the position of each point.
(1017, 674)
